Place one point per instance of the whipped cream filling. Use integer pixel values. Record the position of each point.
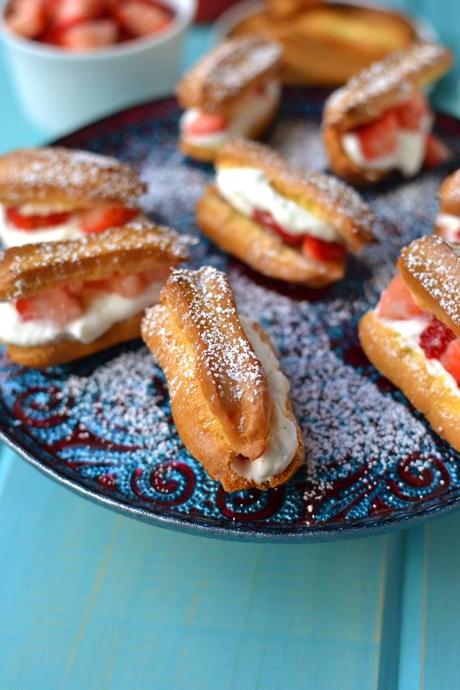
(249, 190)
(11, 236)
(101, 315)
(408, 156)
(449, 225)
(409, 332)
(282, 443)
(252, 110)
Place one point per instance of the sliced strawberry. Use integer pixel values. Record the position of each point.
(88, 35)
(397, 302)
(27, 18)
(140, 18)
(67, 13)
(323, 251)
(156, 275)
(104, 217)
(206, 123)
(127, 286)
(436, 152)
(411, 113)
(450, 359)
(266, 219)
(379, 138)
(435, 339)
(56, 305)
(34, 222)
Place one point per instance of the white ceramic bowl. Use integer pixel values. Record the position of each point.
(61, 91)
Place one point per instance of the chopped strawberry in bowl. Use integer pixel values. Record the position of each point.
(84, 25)
(74, 61)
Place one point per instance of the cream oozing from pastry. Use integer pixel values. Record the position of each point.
(11, 236)
(282, 442)
(409, 332)
(248, 190)
(253, 109)
(449, 226)
(103, 312)
(408, 156)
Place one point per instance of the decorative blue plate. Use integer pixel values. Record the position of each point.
(102, 426)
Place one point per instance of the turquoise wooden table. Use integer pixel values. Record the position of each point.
(90, 600)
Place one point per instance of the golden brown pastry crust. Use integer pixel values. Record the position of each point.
(63, 351)
(407, 370)
(208, 154)
(385, 83)
(343, 166)
(327, 43)
(449, 194)
(67, 179)
(217, 385)
(138, 246)
(370, 93)
(323, 195)
(260, 249)
(430, 268)
(286, 8)
(228, 73)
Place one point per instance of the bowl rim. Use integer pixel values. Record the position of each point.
(184, 12)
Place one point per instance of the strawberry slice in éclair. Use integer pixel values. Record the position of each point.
(100, 219)
(56, 305)
(322, 250)
(34, 222)
(396, 302)
(379, 138)
(206, 123)
(436, 152)
(410, 114)
(450, 359)
(435, 339)
(266, 219)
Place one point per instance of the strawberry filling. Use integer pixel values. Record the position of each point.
(204, 124)
(380, 138)
(312, 247)
(436, 340)
(66, 303)
(91, 221)
(34, 222)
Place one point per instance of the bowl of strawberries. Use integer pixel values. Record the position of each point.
(76, 60)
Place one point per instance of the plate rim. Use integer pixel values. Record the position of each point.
(182, 523)
(301, 535)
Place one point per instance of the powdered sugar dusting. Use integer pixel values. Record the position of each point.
(224, 73)
(335, 198)
(34, 267)
(74, 177)
(436, 267)
(397, 72)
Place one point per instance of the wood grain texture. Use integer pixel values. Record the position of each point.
(90, 599)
